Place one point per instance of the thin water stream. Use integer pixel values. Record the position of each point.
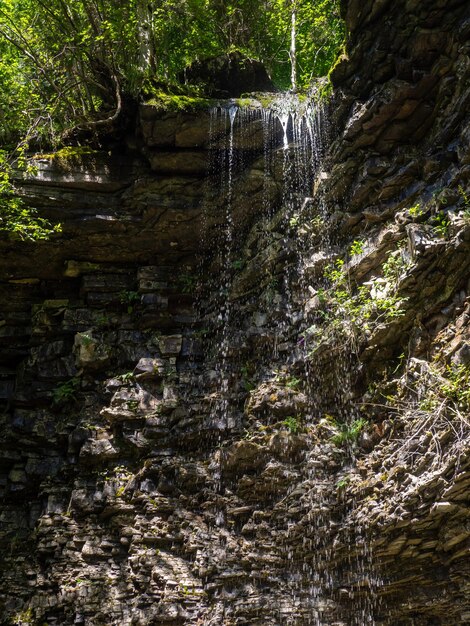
(285, 143)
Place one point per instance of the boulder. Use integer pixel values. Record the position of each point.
(229, 75)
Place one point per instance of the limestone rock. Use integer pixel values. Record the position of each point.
(194, 478)
(90, 353)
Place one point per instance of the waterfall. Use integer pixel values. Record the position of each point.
(291, 150)
(284, 135)
(278, 152)
(226, 257)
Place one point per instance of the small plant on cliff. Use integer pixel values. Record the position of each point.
(456, 386)
(441, 224)
(466, 203)
(287, 380)
(415, 211)
(187, 283)
(24, 617)
(343, 483)
(66, 392)
(294, 221)
(292, 423)
(464, 196)
(291, 382)
(348, 434)
(86, 340)
(396, 264)
(350, 311)
(133, 405)
(357, 247)
(430, 405)
(129, 298)
(335, 273)
(103, 321)
(434, 389)
(238, 264)
(127, 377)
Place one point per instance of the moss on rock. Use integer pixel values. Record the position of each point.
(177, 102)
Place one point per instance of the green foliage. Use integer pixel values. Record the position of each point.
(74, 59)
(66, 392)
(456, 386)
(348, 434)
(349, 311)
(342, 483)
(292, 424)
(395, 265)
(320, 34)
(130, 299)
(357, 247)
(187, 283)
(464, 196)
(286, 380)
(372, 300)
(16, 218)
(415, 211)
(247, 377)
(68, 154)
(171, 102)
(294, 221)
(86, 339)
(23, 223)
(316, 223)
(73, 66)
(65, 65)
(441, 224)
(437, 390)
(23, 617)
(335, 272)
(102, 320)
(127, 377)
(291, 382)
(133, 405)
(466, 203)
(238, 264)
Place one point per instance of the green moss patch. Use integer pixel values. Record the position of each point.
(68, 153)
(172, 102)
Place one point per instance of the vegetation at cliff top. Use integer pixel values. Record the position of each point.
(74, 65)
(19, 221)
(68, 68)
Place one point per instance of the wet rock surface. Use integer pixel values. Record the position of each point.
(309, 465)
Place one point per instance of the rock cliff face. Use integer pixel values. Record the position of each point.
(236, 395)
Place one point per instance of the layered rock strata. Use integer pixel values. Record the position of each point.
(309, 465)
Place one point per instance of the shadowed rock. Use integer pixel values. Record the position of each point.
(229, 75)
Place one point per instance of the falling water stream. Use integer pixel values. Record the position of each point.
(289, 138)
(224, 315)
(293, 141)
